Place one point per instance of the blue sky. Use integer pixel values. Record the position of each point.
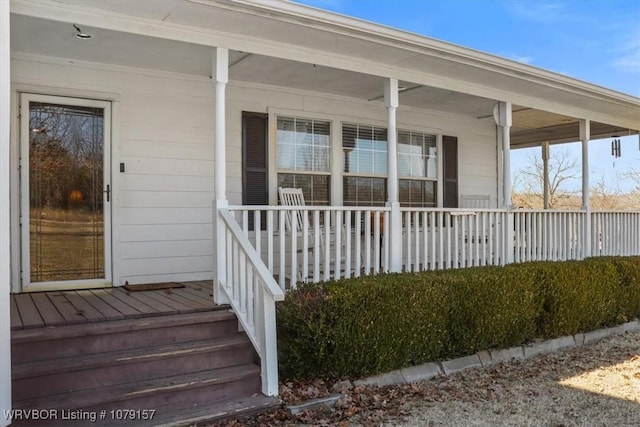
(597, 41)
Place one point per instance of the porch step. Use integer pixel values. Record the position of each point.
(48, 377)
(166, 396)
(201, 415)
(30, 345)
(183, 366)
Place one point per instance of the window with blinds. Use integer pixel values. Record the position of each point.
(303, 151)
(417, 169)
(364, 151)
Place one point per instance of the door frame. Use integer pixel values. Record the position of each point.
(25, 260)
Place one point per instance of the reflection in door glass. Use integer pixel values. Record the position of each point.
(66, 153)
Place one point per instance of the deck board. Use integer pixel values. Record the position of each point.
(107, 310)
(174, 303)
(47, 310)
(199, 299)
(83, 307)
(28, 311)
(16, 322)
(120, 306)
(203, 292)
(70, 314)
(145, 298)
(140, 304)
(55, 308)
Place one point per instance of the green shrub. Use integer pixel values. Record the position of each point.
(372, 324)
(628, 269)
(491, 307)
(359, 326)
(578, 296)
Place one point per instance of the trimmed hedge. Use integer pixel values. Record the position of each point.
(372, 324)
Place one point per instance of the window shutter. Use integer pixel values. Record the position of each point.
(255, 189)
(450, 171)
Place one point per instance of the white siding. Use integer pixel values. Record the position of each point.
(163, 132)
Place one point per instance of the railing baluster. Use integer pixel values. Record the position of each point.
(347, 245)
(338, 245)
(327, 245)
(305, 246)
(270, 241)
(293, 277)
(316, 246)
(281, 230)
(358, 242)
(376, 242)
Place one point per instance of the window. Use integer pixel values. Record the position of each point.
(365, 165)
(417, 169)
(303, 153)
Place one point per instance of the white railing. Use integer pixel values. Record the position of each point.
(263, 251)
(336, 242)
(615, 233)
(546, 235)
(453, 238)
(333, 242)
(252, 292)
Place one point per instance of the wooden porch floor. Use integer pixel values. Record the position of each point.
(42, 309)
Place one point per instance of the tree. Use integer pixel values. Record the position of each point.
(529, 182)
(604, 197)
(633, 175)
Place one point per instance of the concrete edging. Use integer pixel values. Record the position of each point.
(485, 358)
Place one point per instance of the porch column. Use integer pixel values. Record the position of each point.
(502, 117)
(395, 225)
(545, 174)
(5, 230)
(220, 75)
(585, 136)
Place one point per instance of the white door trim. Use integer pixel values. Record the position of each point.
(27, 286)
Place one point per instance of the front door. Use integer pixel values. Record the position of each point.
(65, 192)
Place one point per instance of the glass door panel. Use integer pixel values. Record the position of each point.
(66, 192)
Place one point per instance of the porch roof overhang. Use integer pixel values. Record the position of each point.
(290, 45)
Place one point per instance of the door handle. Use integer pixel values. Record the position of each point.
(108, 191)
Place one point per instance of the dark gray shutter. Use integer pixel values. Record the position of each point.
(450, 171)
(255, 177)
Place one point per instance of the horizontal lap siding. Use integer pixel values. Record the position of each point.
(162, 210)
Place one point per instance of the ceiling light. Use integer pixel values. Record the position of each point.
(81, 34)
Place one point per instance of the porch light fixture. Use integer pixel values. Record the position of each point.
(81, 34)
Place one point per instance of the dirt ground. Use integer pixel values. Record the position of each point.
(594, 385)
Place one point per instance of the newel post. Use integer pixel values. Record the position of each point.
(220, 76)
(5, 230)
(395, 226)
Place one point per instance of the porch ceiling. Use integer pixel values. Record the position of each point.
(55, 38)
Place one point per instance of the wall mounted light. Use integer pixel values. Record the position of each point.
(81, 34)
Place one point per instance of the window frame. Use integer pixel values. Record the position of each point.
(345, 174)
(274, 117)
(336, 190)
(422, 179)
